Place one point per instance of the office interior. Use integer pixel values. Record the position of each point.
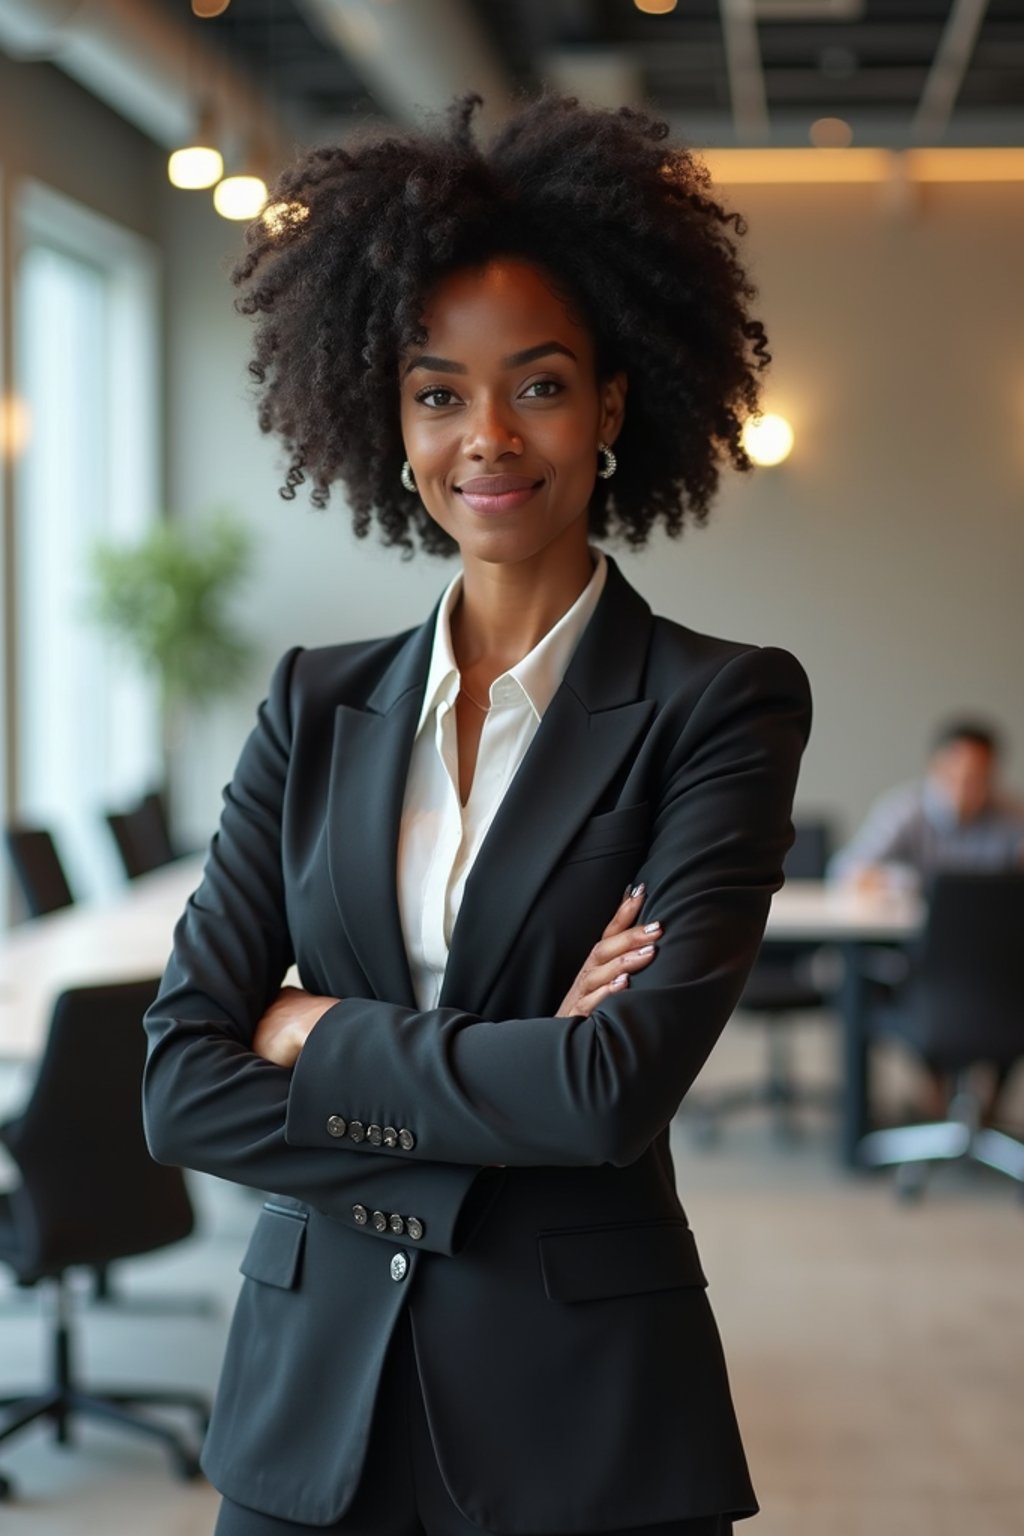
(876, 151)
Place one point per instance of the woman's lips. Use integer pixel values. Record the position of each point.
(503, 495)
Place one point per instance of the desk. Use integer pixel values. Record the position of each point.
(810, 911)
(126, 938)
(129, 937)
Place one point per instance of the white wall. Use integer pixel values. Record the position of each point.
(888, 554)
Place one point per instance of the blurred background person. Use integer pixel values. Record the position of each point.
(957, 817)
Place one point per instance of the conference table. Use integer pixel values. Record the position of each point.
(128, 937)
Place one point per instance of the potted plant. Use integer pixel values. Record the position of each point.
(166, 599)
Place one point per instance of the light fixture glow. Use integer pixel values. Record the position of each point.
(239, 197)
(795, 166)
(195, 167)
(655, 7)
(282, 218)
(830, 133)
(15, 427)
(768, 439)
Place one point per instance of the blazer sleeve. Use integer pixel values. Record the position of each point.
(597, 1089)
(209, 1102)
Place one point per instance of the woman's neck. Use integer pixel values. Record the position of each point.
(505, 610)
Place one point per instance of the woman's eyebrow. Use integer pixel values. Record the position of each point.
(515, 360)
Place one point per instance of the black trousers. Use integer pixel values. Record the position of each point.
(401, 1491)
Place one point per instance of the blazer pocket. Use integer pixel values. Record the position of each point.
(587, 1263)
(275, 1248)
(611, 832)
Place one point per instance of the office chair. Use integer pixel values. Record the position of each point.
(963, 1005)
(142, 835)
(40, 873)
(780, 987)
(90, 1194)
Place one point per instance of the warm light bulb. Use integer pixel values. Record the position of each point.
(656, 7)
(15, 426)
(196, 166)
(768, 439)
(239, 197)
(830, 133)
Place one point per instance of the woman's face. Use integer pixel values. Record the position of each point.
(502, 413)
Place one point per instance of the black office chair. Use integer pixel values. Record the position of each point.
(90, 1194)
(780, 987)
(142, 835)
(44, 885)
(963, 1005)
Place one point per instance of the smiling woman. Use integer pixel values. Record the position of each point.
(521, 854)
(624, 229)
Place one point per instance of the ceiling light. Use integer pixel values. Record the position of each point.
(198, 164)
(15, 426)
(768, 439)
(830, 133)
(239, 197)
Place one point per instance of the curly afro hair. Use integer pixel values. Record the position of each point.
(626, 228)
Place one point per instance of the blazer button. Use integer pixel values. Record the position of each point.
(396, 1224)
(390, 1136)
(356, 1129)
(380, 1221)
(336, 1126)
(399, 1266)
(406, 1140)
(359, 1215)
(374, 1134)
(414, 1227)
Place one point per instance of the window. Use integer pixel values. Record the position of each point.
(86, 366)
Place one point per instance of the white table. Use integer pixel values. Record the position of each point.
(126, 938)
(813, 912)
(129, 938)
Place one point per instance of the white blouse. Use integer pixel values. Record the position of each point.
(439, 837)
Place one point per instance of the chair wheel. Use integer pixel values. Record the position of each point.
(6, 1487)
(186, 1466)
(910, 1181)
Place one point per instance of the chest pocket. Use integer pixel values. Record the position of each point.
(612, 832)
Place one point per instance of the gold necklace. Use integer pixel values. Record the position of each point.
(484, 708)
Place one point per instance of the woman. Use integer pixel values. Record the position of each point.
(472, 1299)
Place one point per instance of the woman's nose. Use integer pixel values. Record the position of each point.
(490, 431)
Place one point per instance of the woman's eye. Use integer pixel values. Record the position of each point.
(436, 389)
(551, 386)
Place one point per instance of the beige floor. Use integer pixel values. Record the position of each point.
(876, 1351)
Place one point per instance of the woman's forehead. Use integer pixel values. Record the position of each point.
(502, 303)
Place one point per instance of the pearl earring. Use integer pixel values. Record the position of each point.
(610, 464)
(407, 479)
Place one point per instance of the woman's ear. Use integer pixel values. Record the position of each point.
(613, 406)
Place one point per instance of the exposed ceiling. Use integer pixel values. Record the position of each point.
(724, 71)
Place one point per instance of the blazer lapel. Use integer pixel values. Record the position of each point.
(369, 763)
(586, 733)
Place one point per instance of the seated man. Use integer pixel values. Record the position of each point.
(956, 817)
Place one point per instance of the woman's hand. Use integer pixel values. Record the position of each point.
(621, 950)
(282, 1031)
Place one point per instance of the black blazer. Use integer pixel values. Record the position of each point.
(572, 1370)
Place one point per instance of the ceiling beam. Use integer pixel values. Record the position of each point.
(746, 76)
(946, 75)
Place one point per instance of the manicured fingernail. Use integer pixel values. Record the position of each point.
(638, 890)
(652, 927)
(648, 949)
(620, 981)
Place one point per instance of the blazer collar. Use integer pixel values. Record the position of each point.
(592, 722)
